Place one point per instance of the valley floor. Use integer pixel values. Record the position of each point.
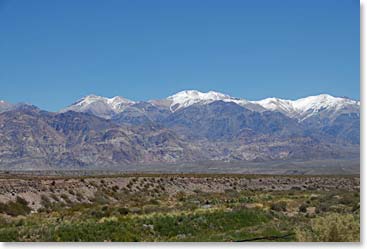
(179, 207)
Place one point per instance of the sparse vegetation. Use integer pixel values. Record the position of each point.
(279, 206)
(332, 227)
(180, 208)
(15, 208)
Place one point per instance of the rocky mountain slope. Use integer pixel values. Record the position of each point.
(31, 139)
(190, 126)
(193, 113)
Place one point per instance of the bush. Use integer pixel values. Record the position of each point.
(347, 200)
(53, 196)
(21, 201)
(100, 198)
(279, 206)
(66, 198)
(323, 207)
(97, 214)
(79, 196)
(45, 201)
(331, 228)
(19, 207)
(123, 210)
(115, 188)
(303, 208)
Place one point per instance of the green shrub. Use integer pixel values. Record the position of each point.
(100, 198)
(279, 206)
(331, 228)
(323, 207)
(15, 208)
(97, 214)
(8, 235)
(21, 201)
(123, 210)
(45, 201)
(347, 200)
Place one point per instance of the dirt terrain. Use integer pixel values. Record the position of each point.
(84, 189)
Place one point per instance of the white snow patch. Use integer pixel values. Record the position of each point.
(189, 97)
(100, 105)
(306, 107)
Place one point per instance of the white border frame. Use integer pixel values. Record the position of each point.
(363, 93)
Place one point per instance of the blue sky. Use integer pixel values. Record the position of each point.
(54, 52)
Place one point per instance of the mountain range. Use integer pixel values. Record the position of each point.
(98, 133)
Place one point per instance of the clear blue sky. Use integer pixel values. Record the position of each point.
(54, 52)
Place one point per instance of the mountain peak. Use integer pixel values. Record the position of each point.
(100, 106)
(276, 104)
(92, 98)
(194, 94)
(189, 97)
(308, 106)
(322, 101)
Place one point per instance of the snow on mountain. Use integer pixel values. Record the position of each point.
(308, 106)
(5, 106)
(119, 103)
(323, 101)
(2, 102)
(323, 104)
(100, 106)
(281, 105)
(187, 98)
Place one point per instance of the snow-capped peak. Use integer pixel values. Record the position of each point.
(196, 95)
(100, 106)
(275, 104)
(119, 103)
(305, 107)
(322, 101)
(189, 97)
(114, 102)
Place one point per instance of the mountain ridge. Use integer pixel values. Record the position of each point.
(300, 109)
(98, 132)
(186, 98)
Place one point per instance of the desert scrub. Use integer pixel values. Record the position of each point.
(303, 208)
(100, 198)
(331, 228)
(79, 196)
(53, 196)
(15, 208)
(279, 206)
(66, 198)
(192, 227)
